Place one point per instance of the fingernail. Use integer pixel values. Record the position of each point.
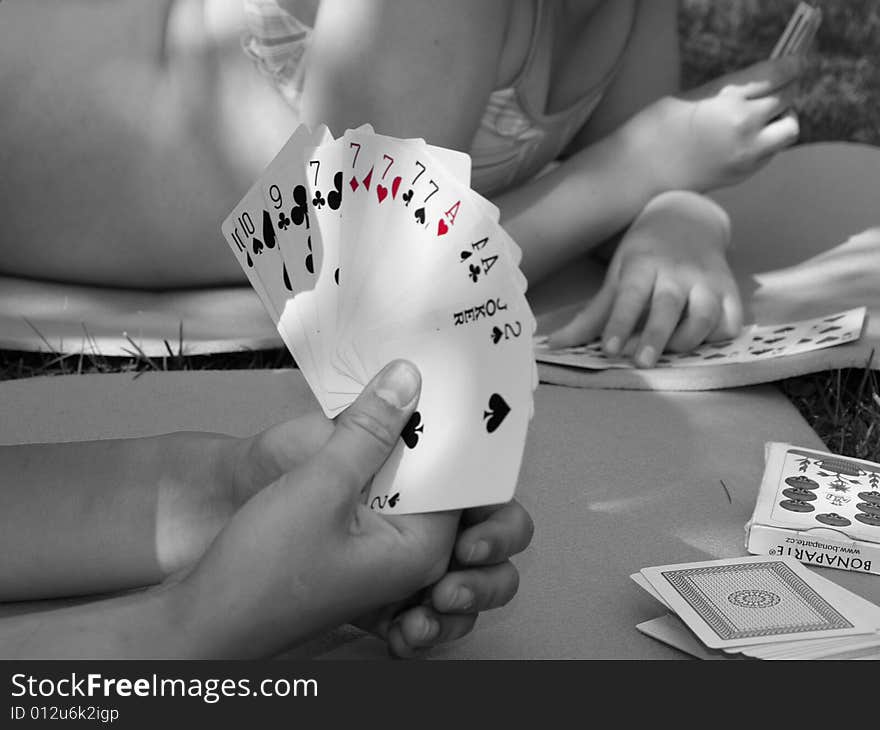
(646, 357)
(463, 598)
(399, 384)
(612, 346)
(479, 551)
(428, 628)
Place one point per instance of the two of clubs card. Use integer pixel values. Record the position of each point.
(760, 608)
(367, 248)
(755, 343)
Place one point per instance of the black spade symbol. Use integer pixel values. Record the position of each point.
(287, 279)
(310, 261)
(412, 429)
(465, 255)
(420, 215)
(498, 410)
(497, 334)
(250, 261)
(268, 230)
(392, 502)
(407, 197)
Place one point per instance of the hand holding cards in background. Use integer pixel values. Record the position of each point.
(668, 283)
(733, 125)
(724, 131)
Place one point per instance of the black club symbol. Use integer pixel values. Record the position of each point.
(283, 221)
(474, 273)
(318, 201)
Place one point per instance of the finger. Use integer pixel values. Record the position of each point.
(504, 532)
(767, 76)
(778, 135)
(282, 448)
(731, 321)
(588, 323)
(422, 627)
(366, 432)
(476, 589)
(771, 106)
(667, 305)
(633, 295)
(701, 318)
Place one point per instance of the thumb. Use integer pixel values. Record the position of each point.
(367, 431)
(588, 324)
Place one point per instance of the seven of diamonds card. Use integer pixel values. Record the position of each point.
(367, 248)
(819, 508)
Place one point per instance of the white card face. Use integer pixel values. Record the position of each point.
(755, 343)
(327, 193)
(464, 447)
(745, 601)
(813, 489)
(250, 233)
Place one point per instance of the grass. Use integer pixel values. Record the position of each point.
(840, 101)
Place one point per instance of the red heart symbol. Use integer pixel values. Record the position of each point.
(442, 228)
(394, 187)
(381, 192)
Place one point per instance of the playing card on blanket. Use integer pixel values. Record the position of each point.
(755, 343)
(742, 603)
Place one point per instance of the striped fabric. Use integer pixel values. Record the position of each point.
(277, 43)
(516, 140)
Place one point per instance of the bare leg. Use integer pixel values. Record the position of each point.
(121, 154)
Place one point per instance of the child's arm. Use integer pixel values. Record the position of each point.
(301, 556)
(85, 518)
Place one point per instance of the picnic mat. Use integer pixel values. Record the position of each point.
(806, 243)
(614, 480)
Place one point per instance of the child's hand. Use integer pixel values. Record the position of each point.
(668, 279)
(483, 578)
(303, 554)
(722, 132)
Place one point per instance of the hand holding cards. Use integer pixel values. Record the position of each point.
(366, 249)
(764, 608)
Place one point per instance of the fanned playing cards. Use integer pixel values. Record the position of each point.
(368, 248)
